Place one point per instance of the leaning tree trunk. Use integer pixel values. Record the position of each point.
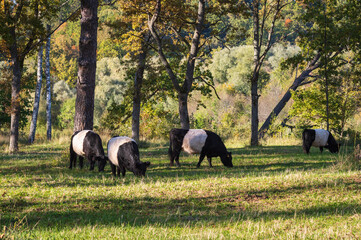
(299, 81)
(48, 88)
(17, 67)
(84, 105)
(37, 96)
(138, 80)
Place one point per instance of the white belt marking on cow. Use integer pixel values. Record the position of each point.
(78, 142)
(321, 137)
(194, 141)
(113, 147)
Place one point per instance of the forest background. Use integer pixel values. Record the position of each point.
(220, 98)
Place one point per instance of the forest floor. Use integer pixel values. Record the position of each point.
(272, 192)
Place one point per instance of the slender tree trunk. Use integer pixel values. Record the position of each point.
(17, 67)
(48, 88)
(299, 81)
(254, 112)
(138, 80)
(183, 110)
(84, 105)
(193, 52)
(37, 96)
(254, 79)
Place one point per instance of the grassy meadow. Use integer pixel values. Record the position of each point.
(273, 192)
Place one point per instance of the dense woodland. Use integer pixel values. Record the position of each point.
(248, 70)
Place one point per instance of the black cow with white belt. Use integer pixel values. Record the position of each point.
(319, 138)
(87, 143)
(197, 141)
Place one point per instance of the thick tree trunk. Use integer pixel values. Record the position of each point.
(48, 88)
(183, 110)
(37, 96)
(17, 65)
(299, 81)
(138, 80)
(84, 105)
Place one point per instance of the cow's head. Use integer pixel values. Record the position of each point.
(227, 160)
(334, 148)
(102, 161)
(140, 168)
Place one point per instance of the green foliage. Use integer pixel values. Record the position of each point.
(5, 96)
(234, 67)
(67, 113)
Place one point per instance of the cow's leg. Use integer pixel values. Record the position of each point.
(81, 162)
(118, 171)
(92, 162)
(201, 157)
(113, 168)
(177, 159)
(321, 149)
(307, 148)
(209, 161)
(122, 169)
(171, 156)
(72, 157)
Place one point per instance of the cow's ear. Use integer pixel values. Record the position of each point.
(147, 164)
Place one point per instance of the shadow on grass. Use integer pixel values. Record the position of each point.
(190, 211)
(255, 161)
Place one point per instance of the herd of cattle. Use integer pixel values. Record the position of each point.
(123, 152)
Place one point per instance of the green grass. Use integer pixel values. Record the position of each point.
(273, 192)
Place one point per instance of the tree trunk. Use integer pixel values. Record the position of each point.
(183, 110)
(17, 65)
(138, 80)
(193, 52)
(254, 80)
(48, 88)
(254, 112)
(37, 96)
(299, 81)
(84, 105)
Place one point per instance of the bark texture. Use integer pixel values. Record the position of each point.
(17, 68)
(84, 105)
(48, 88)
(37, 96)
(138, 80)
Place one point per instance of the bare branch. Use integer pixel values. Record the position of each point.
(210, 85)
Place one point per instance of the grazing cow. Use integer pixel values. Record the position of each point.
(87, 143)
(319, 138)
(201, 141)
(123, 154)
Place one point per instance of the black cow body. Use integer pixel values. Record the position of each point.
(196, 141)
(87, 144)
(123, 154)
(319, 138)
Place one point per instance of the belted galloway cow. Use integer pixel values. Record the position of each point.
(87, 143)
(197, 141)
(319, 138)
(123, 154)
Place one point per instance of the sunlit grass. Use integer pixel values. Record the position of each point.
(272, 192)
